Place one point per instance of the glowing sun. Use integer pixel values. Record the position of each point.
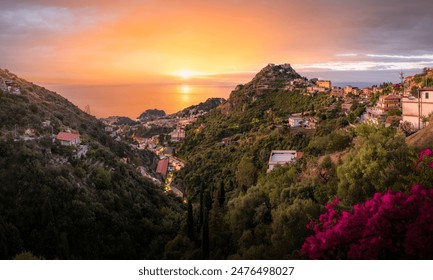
(186, 74)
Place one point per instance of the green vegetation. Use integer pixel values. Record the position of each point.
(264, 215)
(53, 206)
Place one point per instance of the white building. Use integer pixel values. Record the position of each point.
(415, 109)
(281, 157)
(297, 122)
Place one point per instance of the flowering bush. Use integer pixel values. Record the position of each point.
(393, 225)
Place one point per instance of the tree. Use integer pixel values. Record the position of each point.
(380, 159)
(190, 222)
(221, 194)
(246, 172)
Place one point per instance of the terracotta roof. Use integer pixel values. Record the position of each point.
(66, 136)
(162, 166)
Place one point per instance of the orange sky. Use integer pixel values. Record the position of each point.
(134, 41)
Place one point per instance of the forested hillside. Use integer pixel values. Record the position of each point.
(239, 211)
(56, 205)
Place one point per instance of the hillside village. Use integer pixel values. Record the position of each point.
(406, 106)
(392, 105)
(277, 150)
(159, 133)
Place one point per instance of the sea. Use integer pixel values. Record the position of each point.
(130, 100)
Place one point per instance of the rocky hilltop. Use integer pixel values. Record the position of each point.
(151, 114)
(271, 78)
(206, 106)
(118, 120)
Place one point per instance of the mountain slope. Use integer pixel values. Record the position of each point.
(205, 106)
(422, 139)
(60, 207)
(238, 210)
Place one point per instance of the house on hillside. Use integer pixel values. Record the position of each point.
(282, 157)
(367, 92)
(324, 84)
(377, 114)
(68, 139)
(296, 121)
(226, 141)
(81, 152)
(389, 102)
(162, 167)
(12, 87)
(416, 109)
(177, 134)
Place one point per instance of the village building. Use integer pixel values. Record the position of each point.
(296, 121)
(324, 84)
(68, 139)
(46, 124)
(226, 141)
(169, 151)
(314, 89)
(367, 92)
(389, 102)
(12, 87)
(177, 134)
(337, 92)
(347, 89)
(81, 152)
(282, 157)
(377, 114)
(415, 110)
(162, 167)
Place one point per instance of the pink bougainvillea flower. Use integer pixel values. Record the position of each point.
(388, 226)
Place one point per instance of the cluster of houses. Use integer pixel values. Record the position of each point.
(415, 110)
(319, 86)
(9, 86)
(177, 134)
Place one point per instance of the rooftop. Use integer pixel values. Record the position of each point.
(162, 166)
(66, 136)
(280, 156)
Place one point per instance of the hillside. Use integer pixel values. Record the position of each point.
(238, 210)
(270, 78)
(151, 114)
(58, 205)
(118, 120)
(422, 139)
(205, 106)
(424, 79)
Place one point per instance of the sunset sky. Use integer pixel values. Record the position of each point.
(154, 41)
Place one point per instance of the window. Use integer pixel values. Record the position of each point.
(426, 95)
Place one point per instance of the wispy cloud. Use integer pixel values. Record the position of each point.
(409, 57)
